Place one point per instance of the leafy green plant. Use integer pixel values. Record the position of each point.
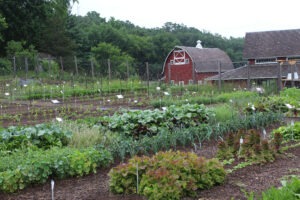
(253, 148)
(289, 132)
(21, 169)
(290, 190)
(42, 136)
(166, 175)
(148, 122)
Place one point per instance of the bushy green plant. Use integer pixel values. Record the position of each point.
(224, 112)
(148, 122)
(166, 175)
(23, 169)
(252, 149)
(42, 136)
(289, 132)
(83, 135)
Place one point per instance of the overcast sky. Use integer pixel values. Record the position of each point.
(225, 17)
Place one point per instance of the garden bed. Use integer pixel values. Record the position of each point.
(251, 178)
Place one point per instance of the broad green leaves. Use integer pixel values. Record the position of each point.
(149, 122)
(42, 136)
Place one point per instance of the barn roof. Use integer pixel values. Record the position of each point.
(262, 71)
(282, 43)
(206, 59)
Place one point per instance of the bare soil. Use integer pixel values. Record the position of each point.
(256, 178)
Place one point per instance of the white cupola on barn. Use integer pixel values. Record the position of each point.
(199, 46)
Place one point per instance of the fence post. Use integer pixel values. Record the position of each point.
(248, 77)
(92, 68)
(193, 73)
(76, 66)
(293, 73)
(127, 68)
(26, 67)
(169, 73)
(109, 74)
(14, 66)
(279, 78)
(62, 67)
(147, 71)
(220, 78)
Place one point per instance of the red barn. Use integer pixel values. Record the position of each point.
(192, 64)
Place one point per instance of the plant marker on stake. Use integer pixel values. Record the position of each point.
(52, 189)
(137, 178)
(292, 124)
(264, 133)
(241, 142)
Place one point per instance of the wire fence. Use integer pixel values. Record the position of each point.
(66, 68)
(56, 67)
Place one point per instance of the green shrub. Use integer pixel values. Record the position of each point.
(166, 175)
(5, 66)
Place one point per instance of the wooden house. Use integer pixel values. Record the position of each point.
(270, 55)
(187, 65)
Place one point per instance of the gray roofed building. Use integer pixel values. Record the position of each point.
(272, 44)
(263, 71)
(264, 51)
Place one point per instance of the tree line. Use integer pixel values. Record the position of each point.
(29, 27)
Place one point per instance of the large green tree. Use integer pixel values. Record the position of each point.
(120, 60)
(41, 23)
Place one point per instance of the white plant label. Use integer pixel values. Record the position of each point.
(241, 140)
(264, 133)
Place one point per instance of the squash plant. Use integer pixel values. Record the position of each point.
(42, 136)
(149, 122)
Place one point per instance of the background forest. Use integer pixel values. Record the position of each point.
(47, 27)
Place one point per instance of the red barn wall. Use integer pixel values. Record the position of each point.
(178, 73)
(183, 72)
